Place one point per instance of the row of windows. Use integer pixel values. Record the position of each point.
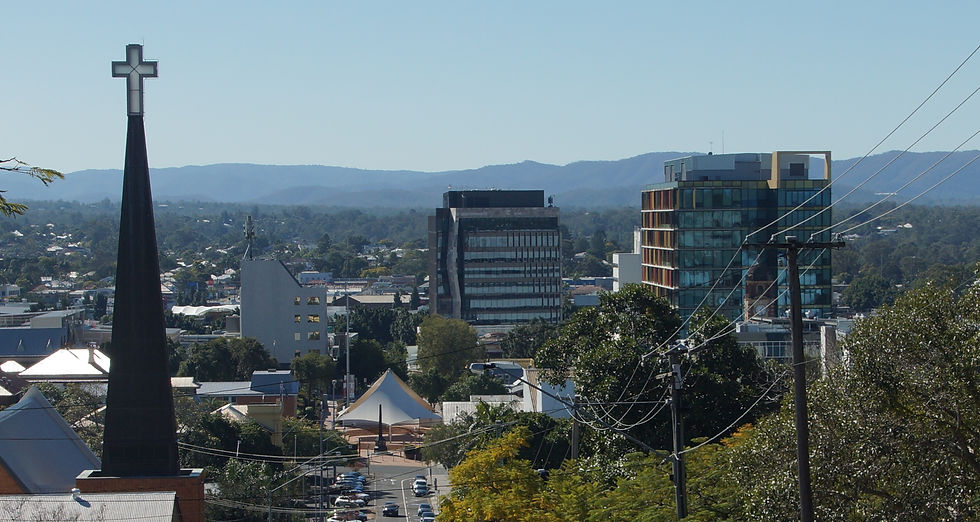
(709, 238)
(813, 220)
(658, 199)
(313, 300)
(660, 276)
(310, 336)
(513, 302)
(661, 238)
(504, 317)
(527, 239)
(312, 318)
(711, 219)
(511, 272)
(794, 198)
(704, 258)
(511, 288)
(656, 256)
(511, 255)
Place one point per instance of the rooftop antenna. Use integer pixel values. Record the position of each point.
(249, 236)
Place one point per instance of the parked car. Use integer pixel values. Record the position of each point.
(346, 501)
(390, 509)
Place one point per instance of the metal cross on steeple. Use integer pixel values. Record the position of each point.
(134, 69)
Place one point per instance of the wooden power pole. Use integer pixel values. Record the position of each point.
(793, 247)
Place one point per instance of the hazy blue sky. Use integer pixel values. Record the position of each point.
(452, 85)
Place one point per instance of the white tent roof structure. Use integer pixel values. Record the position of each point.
(40, 450)
(399, 404)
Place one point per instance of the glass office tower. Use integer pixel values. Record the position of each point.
(694, 222)
(495, 257)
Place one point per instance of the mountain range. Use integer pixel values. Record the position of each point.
(581, 184)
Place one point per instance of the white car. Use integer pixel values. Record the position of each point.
(345, 501)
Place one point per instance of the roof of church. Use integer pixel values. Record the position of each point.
(40, 451)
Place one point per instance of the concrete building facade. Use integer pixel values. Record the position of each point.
(495, 257)
(286, 317)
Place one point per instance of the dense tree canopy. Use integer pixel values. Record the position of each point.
(447, 345)
(226, 359)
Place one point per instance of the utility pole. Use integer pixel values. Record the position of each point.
(677, 457)
(575, 427)
(793, 247)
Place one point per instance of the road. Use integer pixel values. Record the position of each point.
(392, 481)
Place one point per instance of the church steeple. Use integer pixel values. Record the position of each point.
(140, 432)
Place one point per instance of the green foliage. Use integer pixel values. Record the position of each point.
(226, 359)
(447, 345)
(548, 442)
(215, 431)
(302, 437)
(314, 371)
(894, 433)
(606, 346)
(244, 482)
(430, 384)
(81, 410)
(45, 176)
(470, 384)
(493, 483)
(868, 291)
(524, 340)
(367, 359)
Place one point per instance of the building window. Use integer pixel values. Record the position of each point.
(314, 336)
(297, 318)
(314, 300)
(297, 336)
(296, 301)
(312, 318)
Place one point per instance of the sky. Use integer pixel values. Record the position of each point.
(435, 86)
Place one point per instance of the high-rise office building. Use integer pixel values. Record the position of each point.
(695, 221)
(495, 257)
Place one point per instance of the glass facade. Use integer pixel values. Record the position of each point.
(692, 230)
(496, 264)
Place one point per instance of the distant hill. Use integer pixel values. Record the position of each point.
(580, 184)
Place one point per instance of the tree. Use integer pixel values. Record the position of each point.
(226, 359)
(608, 347)
(415, 300)
(524, 340)
(494, 484)
(367, 359)
(470, 384)
(45, 176)
(616, 350)
(315, 370)
(430, 384)
(868, 291)
(447, 345)
(893, 433)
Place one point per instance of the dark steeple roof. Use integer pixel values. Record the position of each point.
(140, 432)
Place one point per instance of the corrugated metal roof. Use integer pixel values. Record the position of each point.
(147, 506)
